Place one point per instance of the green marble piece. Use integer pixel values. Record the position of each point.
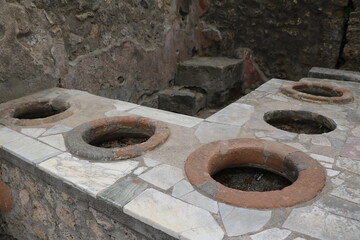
(123, 192)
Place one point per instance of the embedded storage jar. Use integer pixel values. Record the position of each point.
(37, 112)
(305, 177)
(317, 92)
(300, 121)
(116, 138)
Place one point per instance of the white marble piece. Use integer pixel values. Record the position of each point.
(271, 86)
(304, 138)
(348, 191)
(33, 132)
(59, 128)
(174, 217)
(150, 162)
(7, 135)
(165, 116)
(318, 223)
(278, 98)
(260, 134)
(116, 113)
(239, 221)
(181, 188)
(31, 150)
(339, 207)
(89, 176)
(124, 106)
(348, 164)
(197, 199)
(321, 140)
(297, 146)
(322, 158)
(163, 176)
(342, 128)
(56, 141)
(235, 114)
(326, 165)
(271, 234)
(140, 170)
(332, 173)
(356, 132)
(282, 135)
(209, 132)
(299, 238)
(268, 139)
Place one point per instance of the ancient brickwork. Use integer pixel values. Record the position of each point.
(43, 212)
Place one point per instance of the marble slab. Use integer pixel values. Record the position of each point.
(7, 135)
(235, 114)
(30, 150)
(165, 116)
(163, 176)
(174, 217)
(318, 223)
(90, 177)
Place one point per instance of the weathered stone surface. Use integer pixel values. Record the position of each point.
(281, 46)
(159, 210)
(182, 100)
(125, 50)
(329, 73)
(216, 76)
(239, 221)
(352, 47)
(21, 72)
(318, 223)
(163, 176)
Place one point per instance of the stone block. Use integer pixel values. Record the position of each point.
(215, 75)
(317, 72)
(181, 100)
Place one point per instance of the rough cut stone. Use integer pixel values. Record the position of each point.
(214, 75)
(328, 73)
(181, 100)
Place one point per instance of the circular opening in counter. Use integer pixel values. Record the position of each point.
(116, 138)
(317, 92)
(306, 177)
(300, 122)
(37, 112)
(254, 179)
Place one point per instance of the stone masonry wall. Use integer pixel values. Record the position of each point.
(288, 37)
(129, 50)
(120, 49)
(42, 211)
(351, 53)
